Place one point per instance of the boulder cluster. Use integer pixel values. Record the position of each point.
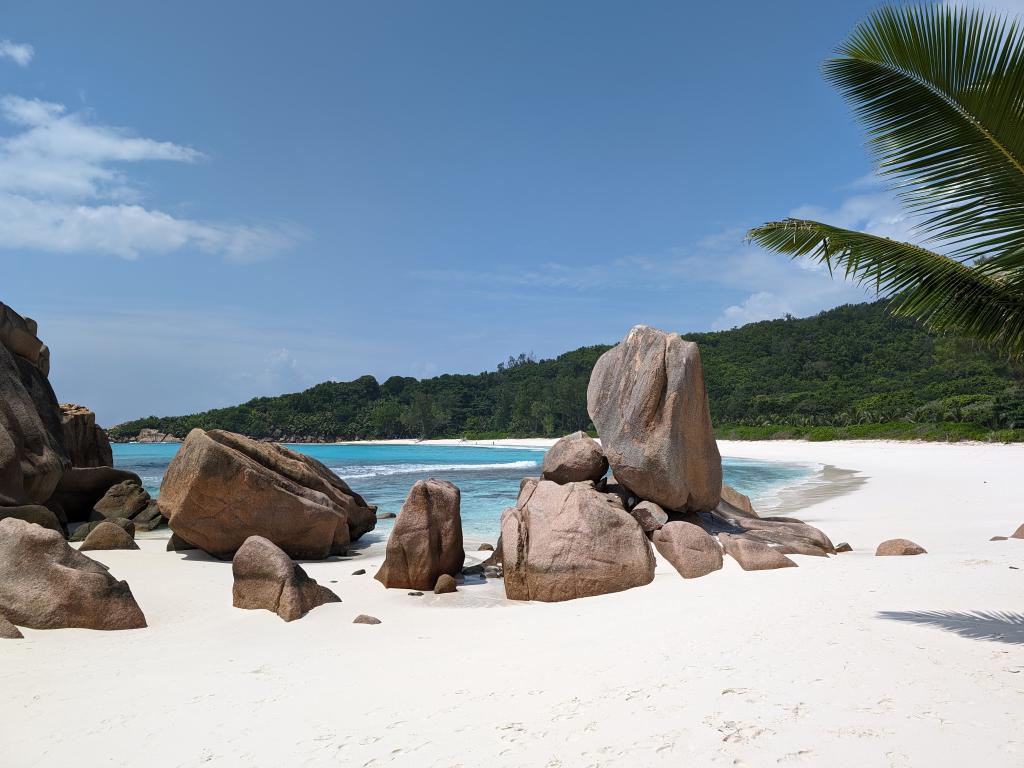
(575, 532)
(56, 471)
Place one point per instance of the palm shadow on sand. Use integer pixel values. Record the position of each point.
(1000, 626)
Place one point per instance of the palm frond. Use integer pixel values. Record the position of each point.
(944, 293)
(940, 93)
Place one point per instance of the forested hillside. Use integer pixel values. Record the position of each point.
(854, 371)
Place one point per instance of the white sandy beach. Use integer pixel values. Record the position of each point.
(825, 664)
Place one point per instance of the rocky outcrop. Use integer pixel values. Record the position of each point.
(80, 489)
(897, 547)
(647, 399)
(32, 457)
(691, 551)
(222, 488)
(785, 534)
(566, 541)
(149, 435)
(125, 499)
(754, 555)
(45, 584)
(107, 535)
(426, 541)
(574, 458)
(266, 578)
(81, 532)
(85, 442)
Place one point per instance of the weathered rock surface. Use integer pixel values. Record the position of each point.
(107, 535)
(149, 519)
(574, 458)
(785, 534)
(566, 541)
(222, 488)
(427, 538)
(738, 500)
(897, 547)
(125, 499)
(80, 489)
(8, 631)
(45, 584)
(20, 336)
(32, 458)
(34, 513)
(82, 532)
(692, 551)
(265, 577)
(754, 555)
(650, 516)
(648, 401)
(445, 584)
(86, 443)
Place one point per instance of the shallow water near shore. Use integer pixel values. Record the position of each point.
(487, 477)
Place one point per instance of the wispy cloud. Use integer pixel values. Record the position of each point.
(20, 53)
(63, 189)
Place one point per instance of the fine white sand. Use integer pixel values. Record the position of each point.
(847, 661)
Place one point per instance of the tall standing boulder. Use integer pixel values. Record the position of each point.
(45, 584)
(85, 441)
(566, 541)
(221, 488)
(426, 541)
(648, 401)
(265, 577)
(32, 457)
(574, 458)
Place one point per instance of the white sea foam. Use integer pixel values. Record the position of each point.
(364, 471)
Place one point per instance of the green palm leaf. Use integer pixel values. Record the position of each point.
(941, 94)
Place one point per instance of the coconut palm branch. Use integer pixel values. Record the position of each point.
(941, 94)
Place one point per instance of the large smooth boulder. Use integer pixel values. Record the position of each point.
(80, 489)
(647, 399)
(692, 551)
(86, 442)
(125, 499)
(266, 578)
(574, 458)
(754, 555)
(566, 541)
(107, 535)
(426, 541)
(45, 584)
(222, 488)
(32, 458)
(787, 535)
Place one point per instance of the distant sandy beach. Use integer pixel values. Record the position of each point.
(847, 661)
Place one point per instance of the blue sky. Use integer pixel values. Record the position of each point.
(202, 202)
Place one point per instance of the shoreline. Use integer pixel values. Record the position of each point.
(834, 662)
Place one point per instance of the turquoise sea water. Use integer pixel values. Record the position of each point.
(488, 477)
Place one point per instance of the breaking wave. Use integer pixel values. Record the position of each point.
(363, 472)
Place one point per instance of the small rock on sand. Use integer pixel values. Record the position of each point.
(415, 594)
(362, 618)
(895, 547)
(843, 547)
(1019, 533)
(485, 548)
(360, 572)
(998, 538)
(445, 584)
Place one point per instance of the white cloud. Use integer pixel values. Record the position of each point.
(20, 53)
(62, 190)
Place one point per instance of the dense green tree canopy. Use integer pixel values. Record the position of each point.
(851, 371)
